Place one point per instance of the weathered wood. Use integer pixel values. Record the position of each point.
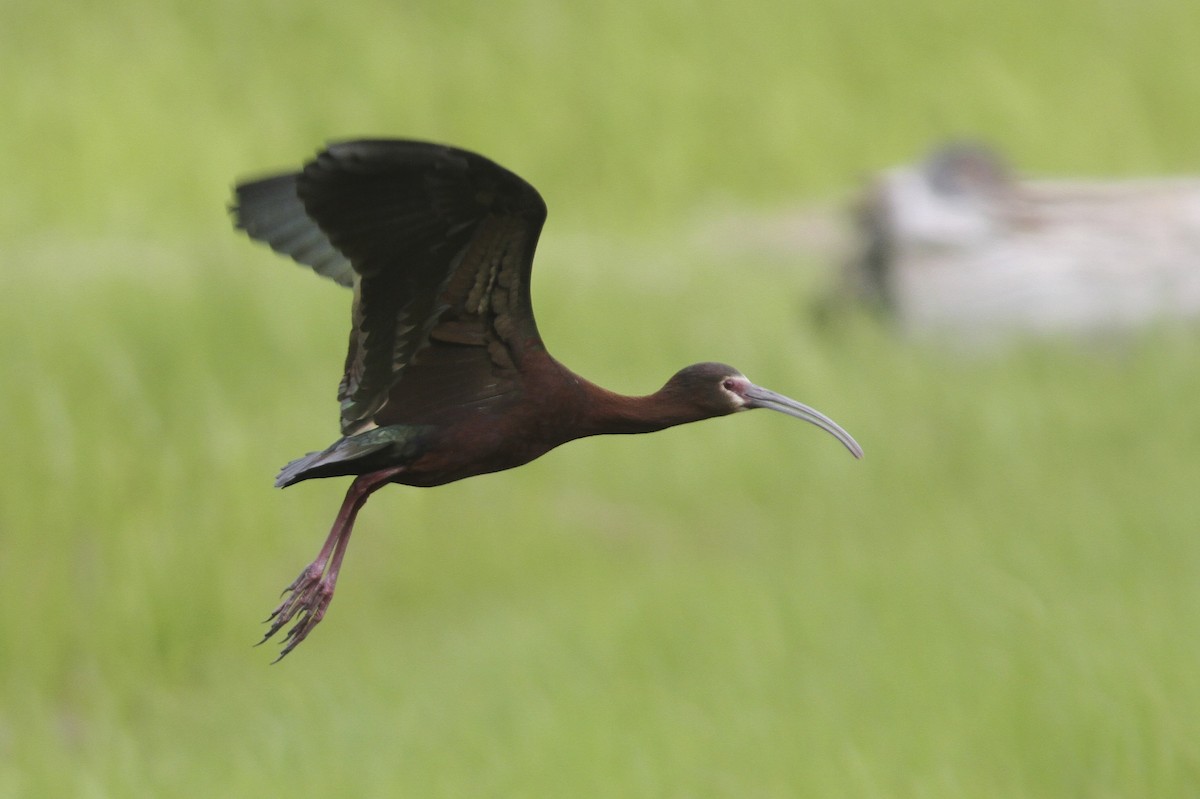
(957, 245)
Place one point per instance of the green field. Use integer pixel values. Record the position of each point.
(1001, 600)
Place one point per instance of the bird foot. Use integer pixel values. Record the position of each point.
(305, 600)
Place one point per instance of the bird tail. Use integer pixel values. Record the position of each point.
(296, 470)
(343, 457)
(376, 449)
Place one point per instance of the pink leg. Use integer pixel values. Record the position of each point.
(309, 595)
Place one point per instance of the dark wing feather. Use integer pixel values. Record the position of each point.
(270, 211)
(442, 242)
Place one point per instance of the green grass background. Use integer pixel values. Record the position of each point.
(1001, 600)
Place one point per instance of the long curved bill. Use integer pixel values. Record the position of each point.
(759, 397)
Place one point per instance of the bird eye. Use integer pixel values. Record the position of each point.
(729, 385)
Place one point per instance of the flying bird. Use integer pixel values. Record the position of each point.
(446, 375)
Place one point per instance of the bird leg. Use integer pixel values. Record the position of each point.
(309, 595)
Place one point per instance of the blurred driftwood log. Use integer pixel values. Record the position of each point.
(958, 245)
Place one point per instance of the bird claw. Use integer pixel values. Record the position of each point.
(305, 600)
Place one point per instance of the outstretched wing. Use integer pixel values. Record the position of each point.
(440, 242)
(437, 244)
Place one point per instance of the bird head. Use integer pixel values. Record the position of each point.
(717, 389)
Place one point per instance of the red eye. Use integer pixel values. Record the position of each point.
(730, 385)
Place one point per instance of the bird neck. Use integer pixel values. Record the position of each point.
(608, 412)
